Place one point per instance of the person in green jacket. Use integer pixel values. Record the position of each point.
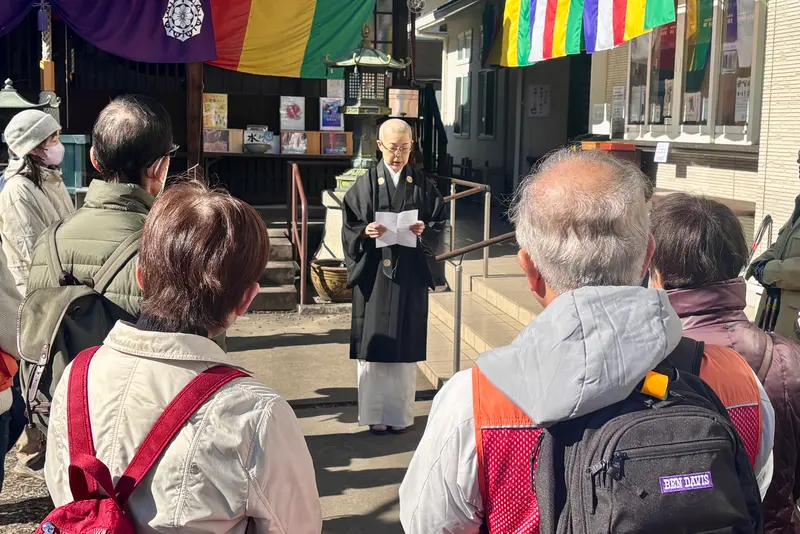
(131, 149)
(778, 270)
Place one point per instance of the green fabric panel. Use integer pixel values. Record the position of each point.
(524, 33)
(574, 27)
(336, 30)
(658, 12)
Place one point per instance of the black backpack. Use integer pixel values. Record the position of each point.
(647, 465)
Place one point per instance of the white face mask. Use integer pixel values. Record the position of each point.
(53, 155)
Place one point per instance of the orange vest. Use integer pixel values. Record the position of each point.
(8, 368)
(506, 438)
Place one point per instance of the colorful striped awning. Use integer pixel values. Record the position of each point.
(535, 30)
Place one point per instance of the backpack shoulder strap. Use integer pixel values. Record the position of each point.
(688, 356)
(53, 261)
(121, 255)
(766, 360)
(79, 427)
(175, 415)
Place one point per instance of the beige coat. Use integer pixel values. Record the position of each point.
(25, 213)
(783, 271)
(241, 456)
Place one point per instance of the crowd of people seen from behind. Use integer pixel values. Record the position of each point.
(619, 408)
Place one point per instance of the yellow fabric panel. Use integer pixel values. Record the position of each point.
(634, 19)
(560, 30)
(276, 38)
(510, 28)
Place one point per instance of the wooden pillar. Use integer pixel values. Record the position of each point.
(400, 37)
(194, 114)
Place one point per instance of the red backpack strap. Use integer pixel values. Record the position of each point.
(79, 427)
(169, 424)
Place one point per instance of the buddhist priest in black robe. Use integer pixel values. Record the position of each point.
(390, 284)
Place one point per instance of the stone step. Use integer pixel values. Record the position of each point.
(278, 298)
(278, 273)
(483, 326)
(280, 249)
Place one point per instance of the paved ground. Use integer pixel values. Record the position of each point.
(306, 359)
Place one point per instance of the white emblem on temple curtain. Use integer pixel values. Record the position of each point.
(183, 19)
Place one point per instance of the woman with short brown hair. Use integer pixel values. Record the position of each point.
(700, 251)
(241, 457)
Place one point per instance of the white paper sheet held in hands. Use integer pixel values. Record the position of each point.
(398, 228)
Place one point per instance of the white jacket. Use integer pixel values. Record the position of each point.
(242, 455)
(25, 213)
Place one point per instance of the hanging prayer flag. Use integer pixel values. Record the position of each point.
(286, 38)
(535, 30)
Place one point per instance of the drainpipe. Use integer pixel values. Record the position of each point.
(518, 128)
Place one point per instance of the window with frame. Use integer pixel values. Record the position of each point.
(487, 102)
(465, 47)
(692, 79)
(381, 31)
(461, 124)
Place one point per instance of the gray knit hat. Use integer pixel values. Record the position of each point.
(29, 129)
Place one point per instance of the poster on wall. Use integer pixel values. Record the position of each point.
(667, 109)
(636, 104)
(692, 102)
(335, 88)
(330, 114)
(742, 99)
(539, 101)
(618, 103)
(293, 113)
(215, 110)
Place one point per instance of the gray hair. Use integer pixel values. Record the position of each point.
(584, 229)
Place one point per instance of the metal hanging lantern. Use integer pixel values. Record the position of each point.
(366, 98)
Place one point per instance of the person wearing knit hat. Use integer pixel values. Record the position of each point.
(34, 195)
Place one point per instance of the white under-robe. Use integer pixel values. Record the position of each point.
(386, 393)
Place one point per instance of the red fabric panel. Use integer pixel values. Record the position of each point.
(230, 29)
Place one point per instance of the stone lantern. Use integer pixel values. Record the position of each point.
(11, 103)
(366, 99)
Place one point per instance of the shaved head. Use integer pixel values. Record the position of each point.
(395, 140)
(396, 127)
(583, 218)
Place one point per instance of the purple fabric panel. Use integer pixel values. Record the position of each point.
(11, 13)
(136, 29)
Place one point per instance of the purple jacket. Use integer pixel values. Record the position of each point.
(715, 315)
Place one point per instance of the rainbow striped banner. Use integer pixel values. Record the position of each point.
(535, 30)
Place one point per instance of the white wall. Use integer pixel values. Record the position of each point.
(539, 135)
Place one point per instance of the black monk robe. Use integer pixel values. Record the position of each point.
(390, 285)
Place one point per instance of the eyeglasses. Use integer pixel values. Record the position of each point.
(173, 150)
(397, 151)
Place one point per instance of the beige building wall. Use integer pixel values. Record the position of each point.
(770, 179)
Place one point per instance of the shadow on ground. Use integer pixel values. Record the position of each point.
(247, 343)
(372, 522)
(339, 456)
(25, 512)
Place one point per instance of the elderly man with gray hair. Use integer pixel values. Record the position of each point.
(582, 222)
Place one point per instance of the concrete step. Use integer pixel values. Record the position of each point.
(279, 298)
(280, 249)
(483, 326)
(278, 273)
